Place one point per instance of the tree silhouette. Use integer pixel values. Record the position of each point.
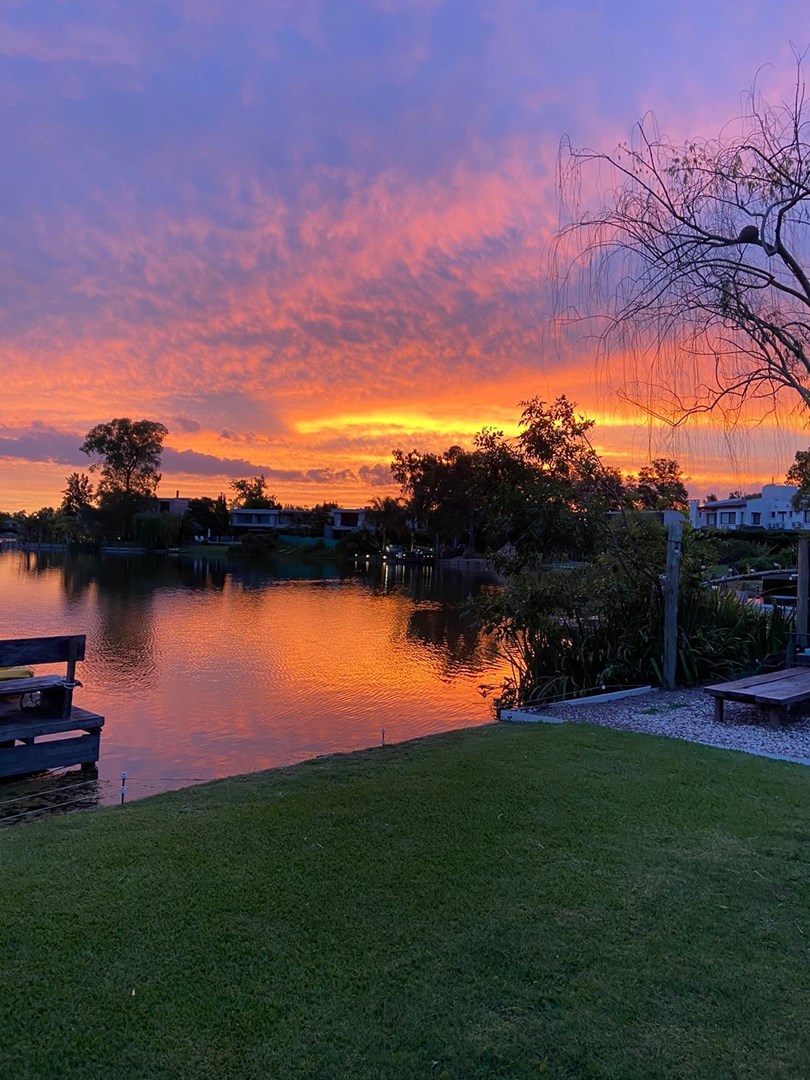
(130, 452)
(799, 474)
(697, 259)
(252, 494)
(659, 486)
(78, 494)
(390, 517)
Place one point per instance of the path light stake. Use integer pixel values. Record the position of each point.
(382, 736)
(123, 786)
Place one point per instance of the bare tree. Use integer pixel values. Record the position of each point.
(695, 266)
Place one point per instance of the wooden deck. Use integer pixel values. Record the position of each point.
(21, 750)
(778, 692)
(34, 710)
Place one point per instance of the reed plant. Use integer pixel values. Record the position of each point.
(566, 633)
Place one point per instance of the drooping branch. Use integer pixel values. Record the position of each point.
(699, 250)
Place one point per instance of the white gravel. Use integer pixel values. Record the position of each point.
(689, 714)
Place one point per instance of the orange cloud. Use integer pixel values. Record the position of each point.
(314, 245)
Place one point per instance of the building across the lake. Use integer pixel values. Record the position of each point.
(341, 521)
(176, 505)
(772, 508)
(344, 522)
(243, 520)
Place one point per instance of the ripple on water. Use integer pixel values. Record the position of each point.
(204, 672)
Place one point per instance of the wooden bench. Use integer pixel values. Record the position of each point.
(33, 707)
(778, 692)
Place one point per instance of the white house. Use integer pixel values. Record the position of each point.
(772, 508)
(344, 522)
(341, 521)
(270, 518)
(175, 506)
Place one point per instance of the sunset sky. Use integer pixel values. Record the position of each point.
(301, 233)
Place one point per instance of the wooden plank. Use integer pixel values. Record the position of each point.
(21, 726)
(799, 677)
(15, 687)
(796, 687)
(755, 680)
(736, 695)
(18, 760)
(790, 693)
(777, 689)
(82, 716)
(42, 650)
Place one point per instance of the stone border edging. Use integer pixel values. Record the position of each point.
(524, 716)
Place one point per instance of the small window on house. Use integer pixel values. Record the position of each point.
(711, 519)
(755, 518)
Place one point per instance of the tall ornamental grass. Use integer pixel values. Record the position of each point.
(569, 632)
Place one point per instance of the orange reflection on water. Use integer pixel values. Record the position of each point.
(204, 672)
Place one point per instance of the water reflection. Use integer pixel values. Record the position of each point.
(204, 668)
(452, 638)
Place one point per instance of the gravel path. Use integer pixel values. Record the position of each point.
(689, 714)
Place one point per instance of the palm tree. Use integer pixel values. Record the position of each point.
(389, 515)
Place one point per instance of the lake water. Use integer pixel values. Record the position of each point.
(205, 669)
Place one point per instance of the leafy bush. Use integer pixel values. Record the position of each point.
(719, 636)
(739, 547)
(156, 532)
(761, 562)
(571, 631)
(255, 546)
(360, 542)
(787, 558)
(741, 554)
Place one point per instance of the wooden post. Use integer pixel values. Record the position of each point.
(674, 534)
(70, 677)
(802, 589)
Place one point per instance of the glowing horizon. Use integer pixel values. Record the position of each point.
(303, 236)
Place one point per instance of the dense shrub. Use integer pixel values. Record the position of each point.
(737, 548)
(156, 532)
(254, 546)
(570, 631)
(360, 542)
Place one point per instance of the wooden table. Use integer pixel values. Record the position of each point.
(778, 692)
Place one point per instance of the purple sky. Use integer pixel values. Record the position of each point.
(300, 234)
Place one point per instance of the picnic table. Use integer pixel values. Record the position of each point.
(779, 692)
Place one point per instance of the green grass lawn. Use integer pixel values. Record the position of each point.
(500, 903)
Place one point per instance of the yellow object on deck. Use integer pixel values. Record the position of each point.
(16, 672)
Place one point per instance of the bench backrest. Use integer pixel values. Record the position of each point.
(42, 650)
